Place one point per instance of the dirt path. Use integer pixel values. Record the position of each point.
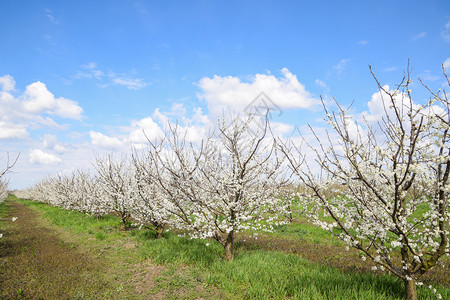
(36, 264)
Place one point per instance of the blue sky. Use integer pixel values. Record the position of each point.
(84, 77)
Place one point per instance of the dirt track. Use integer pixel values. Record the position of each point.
(36, 264)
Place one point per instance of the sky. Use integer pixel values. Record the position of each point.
(79, 79)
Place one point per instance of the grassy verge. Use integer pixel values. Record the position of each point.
(306, 231)
(36, 264)
(131, 276)
(4, 211)
(194, 268)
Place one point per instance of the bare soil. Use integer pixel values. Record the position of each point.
(41, 261)
(36, 264)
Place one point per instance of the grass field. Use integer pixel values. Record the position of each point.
(298, 262)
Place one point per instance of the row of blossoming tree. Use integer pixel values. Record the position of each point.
(231, 181)
(383, 184)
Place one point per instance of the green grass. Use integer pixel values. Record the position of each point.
(306, 231)
(253, 274)
(4, 210)
(179, 250)
(75, 221)
(265, 274)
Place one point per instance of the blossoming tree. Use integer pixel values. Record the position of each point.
(151, 207)
(226, 184)
(385, 184)
(117, 184)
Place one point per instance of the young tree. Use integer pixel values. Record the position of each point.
(150, 204)
(226, 184)
(89, 194)
(115, 178)
(385, 184)
(292, 202)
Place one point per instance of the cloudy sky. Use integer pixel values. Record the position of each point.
(79, 78)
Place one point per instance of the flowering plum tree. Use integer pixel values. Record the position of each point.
(117, 184)
(226, 184)
(385, 184)
(292, 203)
(150, 204)
(78, 190)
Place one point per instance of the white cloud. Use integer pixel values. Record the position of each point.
(419, 36)
(196, 127)
(38, 99)
(69, 109)
(130, 83)
(7, 83)
(390, 69)
(30, 110)
(223, 93)
(363, 42)
(38, 156)
(60, 148)
(12, 131)
(322, 84)
(177, 109)
(9, 106)
(51, 17)
(341, 66)
(143, 129)
(280, 129)
(446, 64)
(104, 141)
(51, 142)
(428, 76)
(91, 70)
(380, 103)
(445, 34)
(151, 128)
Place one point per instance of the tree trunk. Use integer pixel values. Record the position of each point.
(123, 225)
(410, 289)
(159, 231)
(229, 246)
